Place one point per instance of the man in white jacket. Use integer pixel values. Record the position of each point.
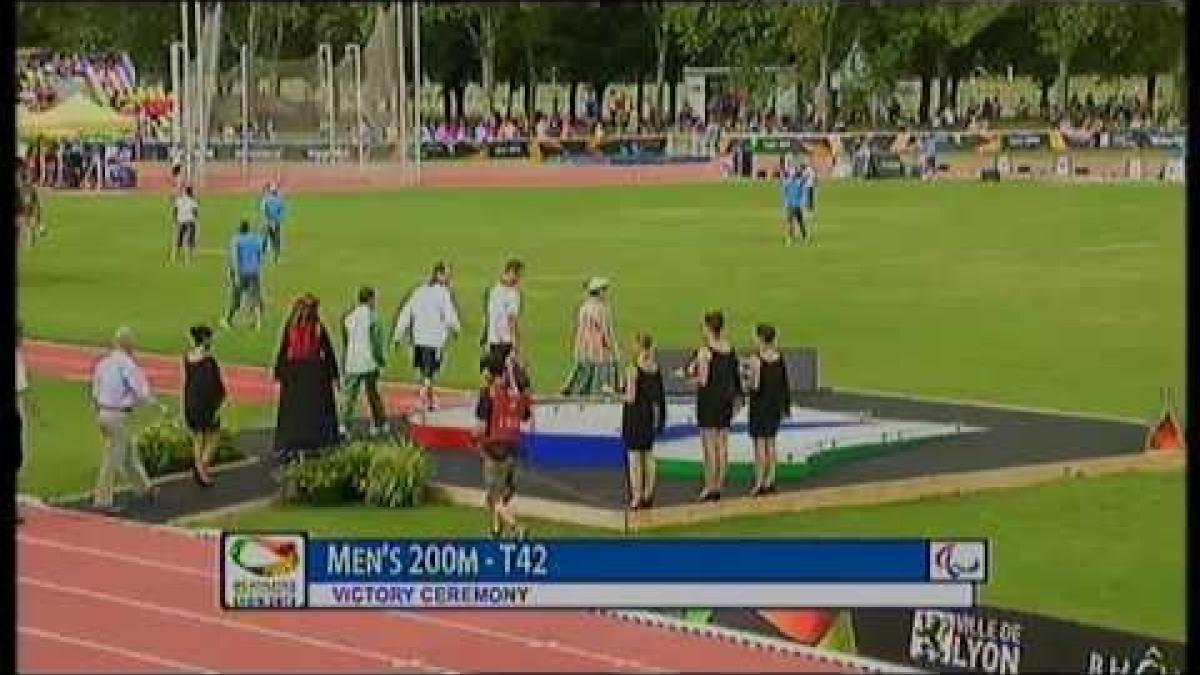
(430, 318)
(364, 360)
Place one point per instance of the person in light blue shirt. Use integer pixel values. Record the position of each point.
(245, 274)
(272, 213)
(794, 202)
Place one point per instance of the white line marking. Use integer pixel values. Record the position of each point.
(390, 660)
(531, 642)
(445, 623)
(112, 649)
(100, 553)
(989, 404)
(1116, 247)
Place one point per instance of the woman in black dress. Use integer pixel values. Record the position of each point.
(643, 416)
(770, 402)
(307, 372)
(714, 370)
(203, 394)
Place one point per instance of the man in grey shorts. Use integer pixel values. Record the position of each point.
(118, 386)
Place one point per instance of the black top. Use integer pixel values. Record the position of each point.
(646, 415)
(724, 381)
(771, 395)
(203, 388)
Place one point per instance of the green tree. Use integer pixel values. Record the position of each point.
(1064, 29)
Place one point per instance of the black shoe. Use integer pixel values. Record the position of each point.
(714, 496)
(769, 489)
(647, 502)
(757, 491)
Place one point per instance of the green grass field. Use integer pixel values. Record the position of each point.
(1068, 297)
(1076, 564)
(1046, 295)
(65, 445)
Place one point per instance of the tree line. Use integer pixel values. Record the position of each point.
(650, 42)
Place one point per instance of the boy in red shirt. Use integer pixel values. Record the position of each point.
(504, 406)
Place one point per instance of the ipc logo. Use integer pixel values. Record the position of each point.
(957, 561)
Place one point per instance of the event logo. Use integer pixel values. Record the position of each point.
(950, 640)
(1150, 661)
(262, 570)
(957, 561)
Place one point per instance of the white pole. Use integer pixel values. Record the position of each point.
(185, 94)
(245, 54)
(354, 52)
(325, 62)
(198, 96)
(403, 86)
(176, 127)
(417, 79)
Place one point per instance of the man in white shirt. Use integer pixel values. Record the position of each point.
(118, 386)
(364, 359)
(502, 308)
(186, 208)
(429, 317)
(24, 404)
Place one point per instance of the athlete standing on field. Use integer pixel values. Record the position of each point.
(793, 207)
(272, 211)
(186, 208)
(429, 318)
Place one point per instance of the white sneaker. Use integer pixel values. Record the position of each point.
(342, 431)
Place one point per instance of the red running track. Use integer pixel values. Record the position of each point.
(246, 385)
(103, 595)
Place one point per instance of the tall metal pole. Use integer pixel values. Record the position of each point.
(176, 75)
(354, 53)
(403, 107)
(325, 62)
(185, 93)
(245, 66)
(198, 110)
(417, 79)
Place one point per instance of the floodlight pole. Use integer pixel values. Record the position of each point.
(325, 64)
(176, 131)
(402, 141)
(417, 79)
(354, 53)
(198, 100)
(245, 63)
(184, 95)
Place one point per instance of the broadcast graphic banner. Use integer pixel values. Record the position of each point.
(288, 570)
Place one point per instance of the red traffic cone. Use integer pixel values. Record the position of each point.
(1166, 436)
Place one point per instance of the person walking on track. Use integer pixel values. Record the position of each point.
(363, 338)
(245, 275)
(503, 407)
(25, 405)
(502, 309)
(307, 371)
(186, 209)
(203, 394)
(118, 386)
(429, 318)
(272, 212)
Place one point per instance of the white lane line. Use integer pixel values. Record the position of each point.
(112, 649)
(100, 553)
(390, 660)
(532, 642)
(524, 640)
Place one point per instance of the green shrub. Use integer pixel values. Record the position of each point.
(380, 474)
(166, 447)
(398, 477)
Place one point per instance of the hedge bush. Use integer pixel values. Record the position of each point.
(166, 447)
(379, 474)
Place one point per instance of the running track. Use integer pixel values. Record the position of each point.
(247, 385)
(103, 595)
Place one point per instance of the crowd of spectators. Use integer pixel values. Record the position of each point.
(79, 164)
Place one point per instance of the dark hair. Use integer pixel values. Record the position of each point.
(491, 364)
(715, 320)
(187, 190)
(366, 294)
(765, 332)
(514, 265)
(644, 340)
(439, 268)
(244, 226)
(200, 334)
